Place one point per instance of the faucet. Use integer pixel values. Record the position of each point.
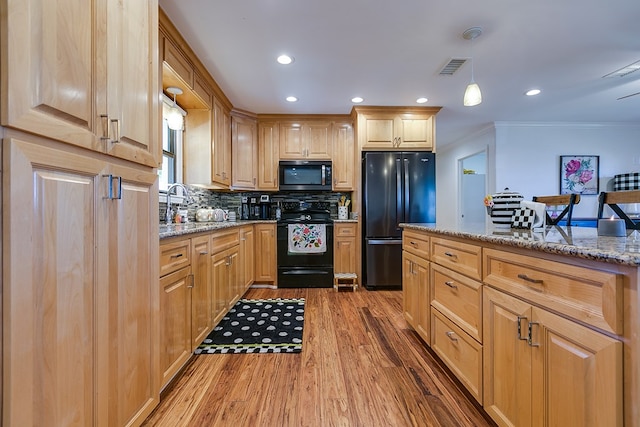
(168, 217)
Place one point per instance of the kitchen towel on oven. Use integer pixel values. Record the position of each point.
(307, 238)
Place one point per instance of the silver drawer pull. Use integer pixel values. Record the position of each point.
(204, 253)
(529, 279)
(413, 243)
(451, 336)
(449, 254)
(451, 285)
(176, 256)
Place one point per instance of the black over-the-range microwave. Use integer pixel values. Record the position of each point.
(305, 175)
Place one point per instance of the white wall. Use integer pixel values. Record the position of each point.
(447, 174)
(526, 158)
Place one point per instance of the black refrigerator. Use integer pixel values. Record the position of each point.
(398, 187)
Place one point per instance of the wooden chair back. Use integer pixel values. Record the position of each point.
(566, 200)
(613, 199)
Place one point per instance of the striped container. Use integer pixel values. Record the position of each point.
(503, 206)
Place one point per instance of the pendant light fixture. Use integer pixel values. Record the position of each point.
(472, 96)
(175, 120)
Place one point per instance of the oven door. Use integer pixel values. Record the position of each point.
(302, 270)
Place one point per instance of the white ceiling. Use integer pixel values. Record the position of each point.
(391, 51)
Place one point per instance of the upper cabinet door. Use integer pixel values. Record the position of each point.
(73, 74)
(132, 76)
(49, 67)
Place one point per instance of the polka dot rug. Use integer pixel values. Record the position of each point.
(258, 326)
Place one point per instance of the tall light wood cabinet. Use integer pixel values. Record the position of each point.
(268, 155)
(74, 76)
(221, 162)
(343, 155)
(244, 140)
(201, 321)
(79, 296)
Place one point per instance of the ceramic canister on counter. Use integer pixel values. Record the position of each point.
(504, 204)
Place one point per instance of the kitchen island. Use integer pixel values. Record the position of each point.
(540, 327)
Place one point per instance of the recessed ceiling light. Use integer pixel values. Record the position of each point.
(291, 99)
(532, 92)
(285, 59)
(357, 99)
(421, 100)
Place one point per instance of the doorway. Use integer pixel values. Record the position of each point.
(473, 187)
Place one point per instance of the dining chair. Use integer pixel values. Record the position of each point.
(566, 200)
(613, 199)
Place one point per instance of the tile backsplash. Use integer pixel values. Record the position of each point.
(203, 198)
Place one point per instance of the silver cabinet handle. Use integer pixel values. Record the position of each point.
(530, 339)
(520, 319)
(450, 255)
(176, 256)
(105, 126)
(116, 123)
(451, 285)
(451, 336)
(110, 193)
(204, 253)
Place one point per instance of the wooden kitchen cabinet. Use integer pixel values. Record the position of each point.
(247, 257)
(542, 369)
(344, 251)
(221, 166)
(266, 255)
(268, 155)
(72, 79)
(225, 273)
(343, 155)
(244, 143)
(306, 140)
(201, 300)
(389, 128)
(80, 287)
(415, 288)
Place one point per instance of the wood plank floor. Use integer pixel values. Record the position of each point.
(361, 365)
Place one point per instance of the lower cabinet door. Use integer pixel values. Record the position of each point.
(175, 329)
(201, 321)
(576, 374)
(459, 351)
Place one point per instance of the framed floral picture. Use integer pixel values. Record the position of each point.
(579, 174)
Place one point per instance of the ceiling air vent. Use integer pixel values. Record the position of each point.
(452, 66)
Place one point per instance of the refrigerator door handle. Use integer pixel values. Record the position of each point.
(399, 204)
(406, 190)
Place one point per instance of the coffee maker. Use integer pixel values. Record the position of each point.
(254, 208)
(244, 208)
(265, 207)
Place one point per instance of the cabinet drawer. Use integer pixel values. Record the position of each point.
(221, 240)
(585, 294)
(416, 243)
(174, 256)
(344, 230)
(459, 298)
(461, 353)
(461, 257)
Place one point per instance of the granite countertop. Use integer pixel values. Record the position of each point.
(580, 242)
(174, 230)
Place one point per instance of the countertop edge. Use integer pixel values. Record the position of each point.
(590, 253)
(178, 230)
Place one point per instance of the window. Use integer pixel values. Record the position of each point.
(171, 171)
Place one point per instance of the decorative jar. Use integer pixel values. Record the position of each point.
(504, 204)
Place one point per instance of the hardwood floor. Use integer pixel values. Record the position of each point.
(361, 365)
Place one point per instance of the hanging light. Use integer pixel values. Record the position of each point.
(175, 119)
(472, 96)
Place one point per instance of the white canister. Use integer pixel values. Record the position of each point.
(343, 212)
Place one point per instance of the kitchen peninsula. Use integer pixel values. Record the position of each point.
(541, 328)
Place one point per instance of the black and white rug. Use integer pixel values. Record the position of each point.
(258, 326)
